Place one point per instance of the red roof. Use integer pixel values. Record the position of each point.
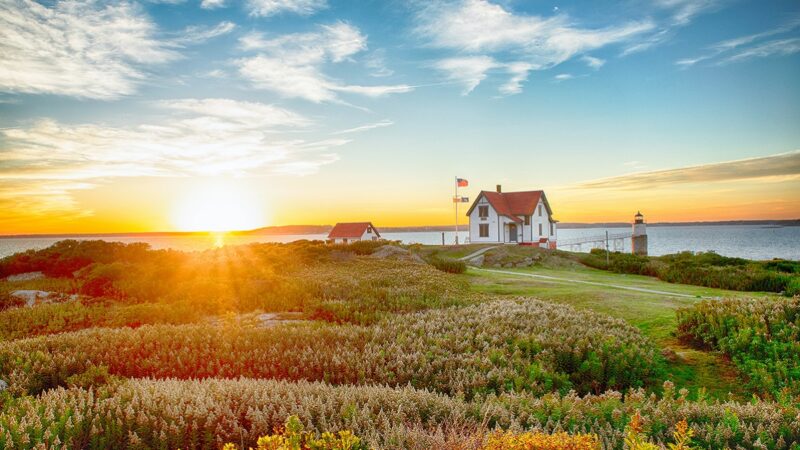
(351, 230)
(513, 204)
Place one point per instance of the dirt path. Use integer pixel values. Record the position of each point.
(477, 253)
(595, 283)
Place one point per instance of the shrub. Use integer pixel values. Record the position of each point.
(449, 265)
(500, 440)
(72, 316)
(762, 336)
(493, 347)
(205, 414)
(293, 437)
(64, 258)
(703, 269)
(361, 247)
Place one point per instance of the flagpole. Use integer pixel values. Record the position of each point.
(456, 202)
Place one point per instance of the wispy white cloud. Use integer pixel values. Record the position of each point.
(684, 11)
(488, 32)
(594, 63)
(780, 47)
(212, 4)
(292, 65)
(563, 77)
(519, 74)
(263, 8)
(198, 34)
(80, 49)
(367, 127)
(680, 14)
(376, 63)
(198, 137)
(749, 46)
(468, 71)
(782, 165)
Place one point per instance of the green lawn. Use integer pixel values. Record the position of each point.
(652, 313)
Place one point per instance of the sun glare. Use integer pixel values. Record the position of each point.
(218, 207)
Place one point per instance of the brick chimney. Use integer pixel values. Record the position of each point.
(499, 188)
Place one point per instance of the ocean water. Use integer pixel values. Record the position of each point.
(745, 241)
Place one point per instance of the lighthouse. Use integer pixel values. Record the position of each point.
(639, 235)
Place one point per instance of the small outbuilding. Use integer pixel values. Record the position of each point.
(344, 233)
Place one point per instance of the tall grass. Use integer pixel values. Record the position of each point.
(205, 414)
(494, 347)
(762, 336)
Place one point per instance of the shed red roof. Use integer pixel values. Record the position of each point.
(351, 230)
(513, 204)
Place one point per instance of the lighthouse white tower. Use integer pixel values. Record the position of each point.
(639, 238)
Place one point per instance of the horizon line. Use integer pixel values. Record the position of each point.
(438, 227)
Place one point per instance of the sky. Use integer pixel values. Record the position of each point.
(217, 114)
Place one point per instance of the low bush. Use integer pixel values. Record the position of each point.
(206, 414)
(506, 440)
(762, 337)
(292, 436)
(72, 316)
(494, 347)
(703, 269)
(64, 258)
(620, 262)
(448, 265)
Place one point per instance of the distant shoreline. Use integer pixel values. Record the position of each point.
(322, 229)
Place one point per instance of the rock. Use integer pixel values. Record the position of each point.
(25, 276)
(477, 261)
(3, 385)
(669, 355)
(31, 296)
(268, 320)
(393, 252)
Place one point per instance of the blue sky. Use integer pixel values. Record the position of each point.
(330, 107)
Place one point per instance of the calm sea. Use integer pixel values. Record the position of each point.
(746, 241)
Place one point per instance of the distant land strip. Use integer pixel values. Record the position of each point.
(323, 229)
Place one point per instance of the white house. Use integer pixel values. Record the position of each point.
(512, 217)
(343, 233)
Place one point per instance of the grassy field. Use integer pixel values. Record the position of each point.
(652, 313)
(162, 349)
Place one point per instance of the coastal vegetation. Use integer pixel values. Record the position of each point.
(705, 269)
(369, 346)
(761, 336)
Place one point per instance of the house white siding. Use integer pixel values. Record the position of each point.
(495, 225)
(541, 225)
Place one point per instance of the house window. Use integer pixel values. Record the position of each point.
(540, 212)
(369, 230)
(483, 212)
(540, 229)
(483, 230)
(527, 220)
(551, 229)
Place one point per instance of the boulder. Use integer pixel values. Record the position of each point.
(31, 296)
(27, 276)
(477, 261)
(393, 252)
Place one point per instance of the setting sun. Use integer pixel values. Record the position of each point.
(218, 207)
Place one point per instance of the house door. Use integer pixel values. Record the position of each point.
(512, 233)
